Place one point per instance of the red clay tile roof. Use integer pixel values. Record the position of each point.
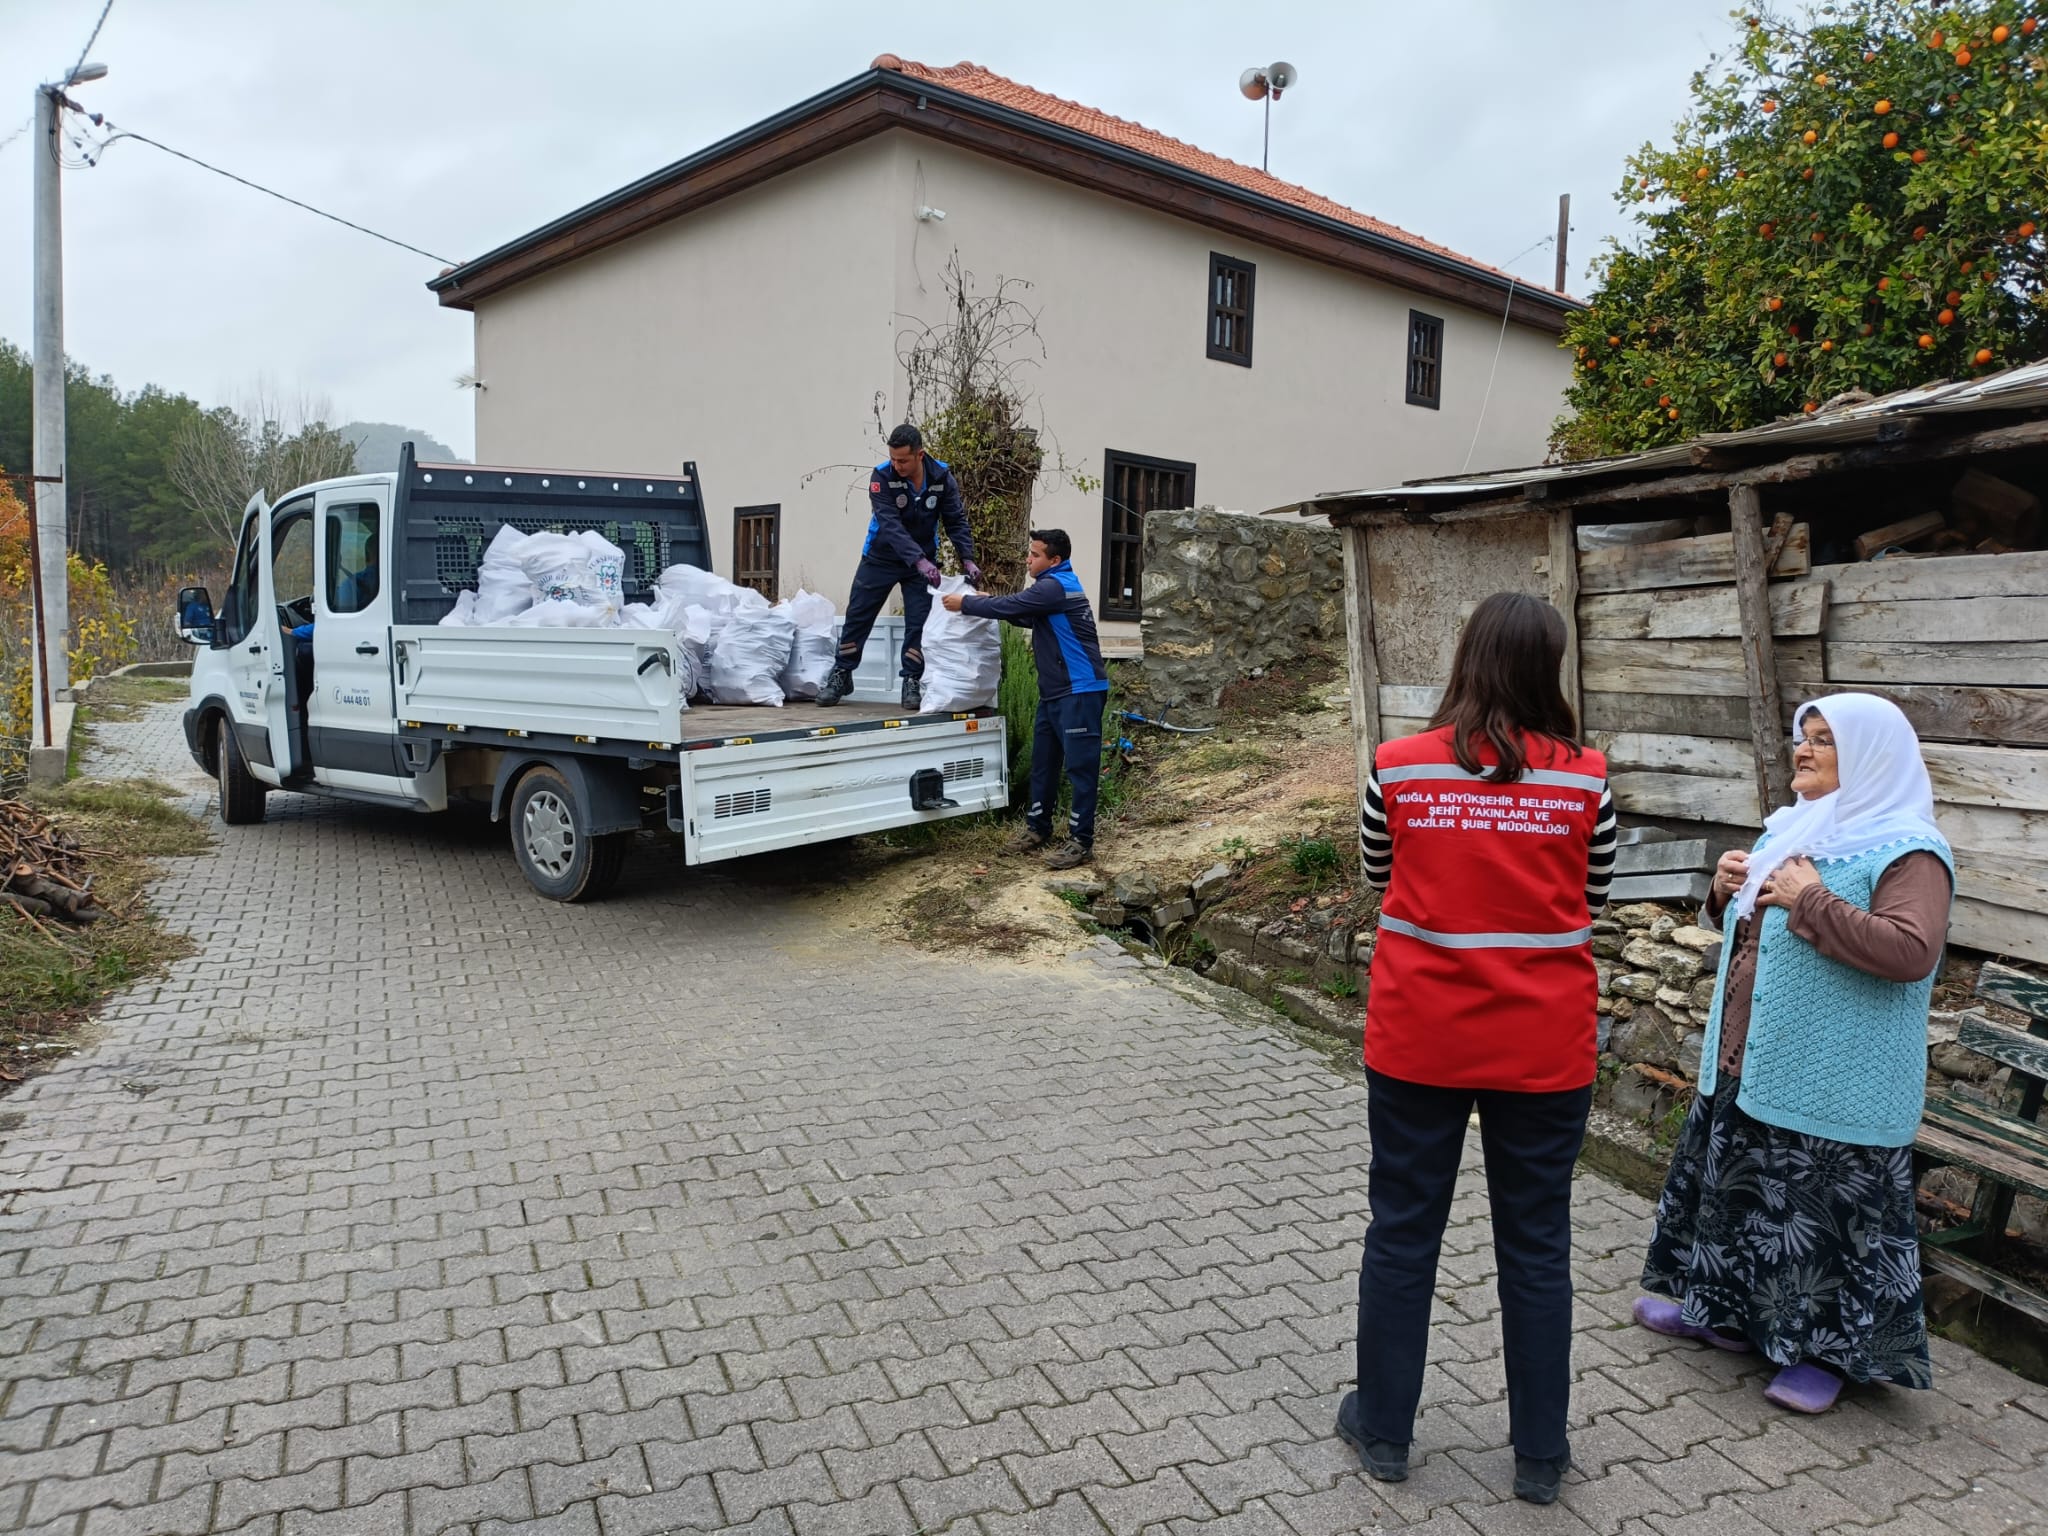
(974, 80)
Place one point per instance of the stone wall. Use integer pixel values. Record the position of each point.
(1229, 593)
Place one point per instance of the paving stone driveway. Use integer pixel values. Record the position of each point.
(417, 1204)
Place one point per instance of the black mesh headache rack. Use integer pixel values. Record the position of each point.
(447, 515)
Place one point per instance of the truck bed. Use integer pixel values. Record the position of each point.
(721, 723)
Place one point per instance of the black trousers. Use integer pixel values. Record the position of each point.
(1531, 1142)
(1067, 733)
(873, 581)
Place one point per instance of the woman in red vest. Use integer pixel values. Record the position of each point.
(1491, 835)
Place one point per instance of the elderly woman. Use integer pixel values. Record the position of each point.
(1786, 1222)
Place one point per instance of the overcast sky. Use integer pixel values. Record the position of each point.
(455, 125)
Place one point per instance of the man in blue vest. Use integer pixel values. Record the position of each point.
(908, 498)
(1073, 687)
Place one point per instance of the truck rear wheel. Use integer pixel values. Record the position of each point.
(242, 795)
(552, 841)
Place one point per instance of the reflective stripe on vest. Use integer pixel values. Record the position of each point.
(1552, 777)
(1570, 940)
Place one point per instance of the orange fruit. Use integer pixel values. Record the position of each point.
(1672, 413)
(1767, 230)
(1778, 360)
(1883, 283)
(1955, 296)
(1869, 330)
(1966, 267)
(1919, 231)
(1592, 365)
(1820, 79)
(1774, 304)
(1999, 34)
(1614, 341)
(1812, 406)
(1770, 106)
(1934, 41)
(1946, 317)
(2028, 26)
(1891, 141)
(2027, 230)
(1663, 399)
(1793, 328)
(1919, 157)
(1701, 174)
(1807, 174)
(1984, 353)
(1809, 137)
(1827, 346)
(1644, 182)
(1962, 58)
(1881, 108)
(1819, 236)
(1926, 341)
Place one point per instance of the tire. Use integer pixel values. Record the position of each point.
(242, 796)
(552, 841)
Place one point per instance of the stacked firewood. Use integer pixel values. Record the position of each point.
(42, 870)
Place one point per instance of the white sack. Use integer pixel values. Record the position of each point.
(502, 585)
(690, 626)
(749, 653)
(816, 650)
(582, 568)
(463, 613)
(562, 613)
(963, 657)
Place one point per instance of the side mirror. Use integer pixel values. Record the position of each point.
(195, 616)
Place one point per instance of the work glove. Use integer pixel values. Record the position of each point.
(971, 571)
(929, 572)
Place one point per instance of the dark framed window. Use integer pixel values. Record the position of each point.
(1230, 309)
(1132, 486)
(1425, 359)
(757, 549)
(351, 556)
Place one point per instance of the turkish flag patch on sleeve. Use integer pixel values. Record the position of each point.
(874, 487)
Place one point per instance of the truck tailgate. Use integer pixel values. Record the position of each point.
(599, 684)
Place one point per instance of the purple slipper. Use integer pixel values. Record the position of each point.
(1660, 1314)
(1804, 1388)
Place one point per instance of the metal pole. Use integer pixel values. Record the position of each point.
(1266, 149)
(53, 599)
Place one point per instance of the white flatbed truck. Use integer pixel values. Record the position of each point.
(576, 738)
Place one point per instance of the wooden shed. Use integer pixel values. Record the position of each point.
(1891, 546)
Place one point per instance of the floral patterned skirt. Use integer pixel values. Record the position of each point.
(1806, 1245)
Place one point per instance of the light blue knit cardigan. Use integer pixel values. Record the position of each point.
(1832, 1051)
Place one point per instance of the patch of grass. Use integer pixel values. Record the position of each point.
(1225, 757)
(53, 973)
(1341, 986)
(1312, 859)
(1075, 899)
(1236, 850)
(1291, 977)
(1288, 688)
(950, 917)
(118, 698)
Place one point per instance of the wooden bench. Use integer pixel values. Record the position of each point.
(1654, 865)
(2004, 1145)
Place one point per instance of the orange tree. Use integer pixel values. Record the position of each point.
(1854, 201)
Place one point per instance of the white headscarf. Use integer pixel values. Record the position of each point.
(1885, 793)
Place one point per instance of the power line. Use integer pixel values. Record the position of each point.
(129, 133)
(27, 124)
(72, 73)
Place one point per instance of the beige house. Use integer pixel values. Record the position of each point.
(1212, 334)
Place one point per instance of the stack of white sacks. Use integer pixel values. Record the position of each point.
(736, 648)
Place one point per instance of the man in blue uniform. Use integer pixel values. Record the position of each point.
(908, 498)
(1073, 686)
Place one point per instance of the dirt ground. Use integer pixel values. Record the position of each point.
(1277, 769)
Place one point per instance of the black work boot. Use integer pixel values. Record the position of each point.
(1538, 1479)
(913, 694)
(1385, 1461)
(837, 686)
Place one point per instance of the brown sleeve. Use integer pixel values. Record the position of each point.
(1899, 938)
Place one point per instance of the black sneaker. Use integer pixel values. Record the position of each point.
(837, 686)
(1383, 1460)
(1538, 1479)
(913, 695)
(1071, 854)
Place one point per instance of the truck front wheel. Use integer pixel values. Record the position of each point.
(551, 838)
(242, 795)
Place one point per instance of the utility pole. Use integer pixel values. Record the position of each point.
(52, 628)
(53, 608)
(1564, 233)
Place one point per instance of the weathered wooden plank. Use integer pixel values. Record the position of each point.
(1674, 885)
(1686, 796)
(1981, 1277)
(1908, 530)
(1708, 756)
(1690, 714)
(1564, 597)
(1978, 1155)
(1405, 699)
(1960, 712)
(1999, 930)
(1698, 613)
(2003, 879)
(1759, 654)
(2024, 574)
(1689, 667)
(1661, 858)
(2013, 1047)
(1972, 1119)
(1627, 836)
(2015, 989)
(2013, 833)
(1705, 561)
(2016, 777)
(1949, 620)
(1998, 663)
(1359, 651)
(1393, 726)
(1608, 535)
